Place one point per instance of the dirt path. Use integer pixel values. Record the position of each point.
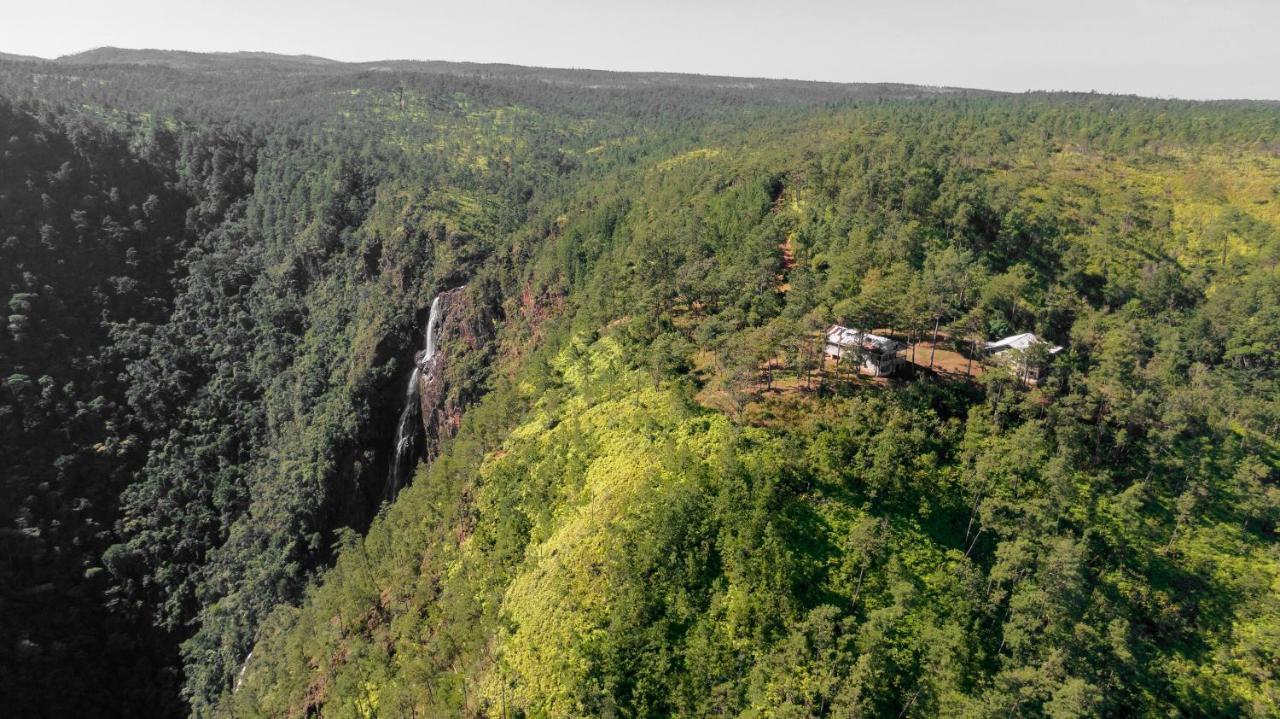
(788, 263)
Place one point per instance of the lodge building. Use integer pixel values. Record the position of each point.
(877, 356)
(1027, 355)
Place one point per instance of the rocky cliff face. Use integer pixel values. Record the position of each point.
(452, 379)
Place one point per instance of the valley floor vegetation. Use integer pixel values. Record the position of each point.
(658, 498)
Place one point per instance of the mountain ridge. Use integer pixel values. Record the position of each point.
(586, 77)
(183, 59)
(13, 57)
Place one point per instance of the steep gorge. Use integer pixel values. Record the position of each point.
(633, 501)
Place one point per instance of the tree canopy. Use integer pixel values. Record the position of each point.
(654, 496)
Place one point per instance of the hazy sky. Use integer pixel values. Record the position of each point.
(1182, 48)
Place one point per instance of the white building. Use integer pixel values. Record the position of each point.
(1025, 353)
(878, 356)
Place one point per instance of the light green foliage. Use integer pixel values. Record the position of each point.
(664, 505)
(917, 551)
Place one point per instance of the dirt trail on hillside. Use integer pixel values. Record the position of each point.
(788, 264)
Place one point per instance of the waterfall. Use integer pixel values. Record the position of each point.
(240, 677)
(406, 431)
(433, 327)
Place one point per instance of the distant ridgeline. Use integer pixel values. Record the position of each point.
(644, 483)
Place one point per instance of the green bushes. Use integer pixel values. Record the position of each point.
(207, 320)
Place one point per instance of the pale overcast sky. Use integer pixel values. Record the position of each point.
(1179, 48)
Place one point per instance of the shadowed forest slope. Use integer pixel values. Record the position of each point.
(658, 499)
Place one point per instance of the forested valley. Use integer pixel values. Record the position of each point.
(637, 485)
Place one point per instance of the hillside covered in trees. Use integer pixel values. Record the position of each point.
(640, 487)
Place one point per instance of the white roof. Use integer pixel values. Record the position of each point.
(850, 337)
(1019, 342)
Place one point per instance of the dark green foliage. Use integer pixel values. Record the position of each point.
(215, 272)
(91, 229)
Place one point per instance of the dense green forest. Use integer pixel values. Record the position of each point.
(644, 490)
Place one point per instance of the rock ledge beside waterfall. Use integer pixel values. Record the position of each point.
(451, 380)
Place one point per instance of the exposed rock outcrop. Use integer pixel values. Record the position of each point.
(453, 378)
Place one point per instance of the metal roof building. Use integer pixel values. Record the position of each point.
(879, 355)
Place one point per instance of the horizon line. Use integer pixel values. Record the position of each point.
(690, 73)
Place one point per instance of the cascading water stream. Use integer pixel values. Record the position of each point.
(406, 431)
(240, 676)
